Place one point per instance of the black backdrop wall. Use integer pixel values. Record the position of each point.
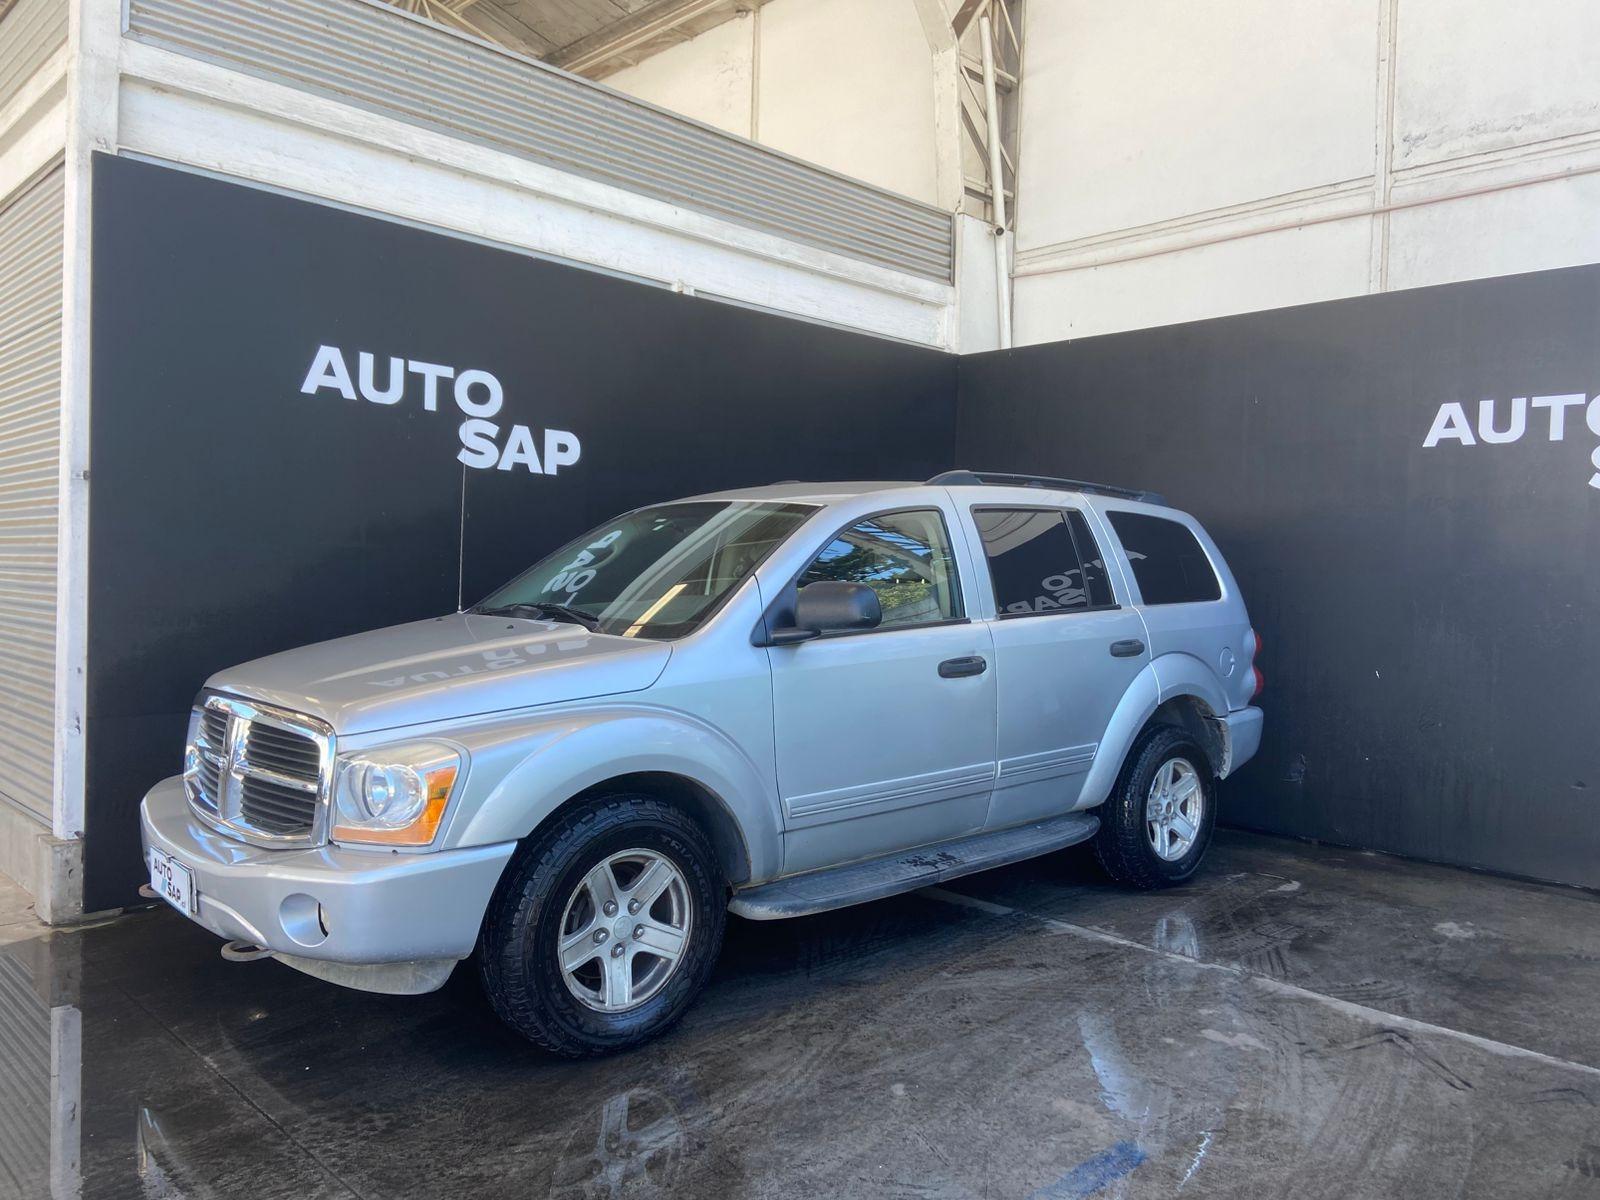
(1432, 648)
(1428, 612)
(233, 515)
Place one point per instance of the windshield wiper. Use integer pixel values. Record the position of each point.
(560, 612)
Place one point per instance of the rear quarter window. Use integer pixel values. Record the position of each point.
(1167, 560)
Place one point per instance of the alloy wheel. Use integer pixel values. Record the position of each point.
(625, 930)
(1174, 808)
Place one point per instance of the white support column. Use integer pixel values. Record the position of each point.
(948, 135)
(997, 185)
(1383, 141)
(93, 45)
(974, 327)
(755, 73)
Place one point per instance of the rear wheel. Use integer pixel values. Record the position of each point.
(1157, 822)
(605, 926)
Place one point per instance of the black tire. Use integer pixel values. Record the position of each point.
(517, 957)
(1122, 845)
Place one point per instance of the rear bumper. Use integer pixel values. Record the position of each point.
(1244, 738)
(378, 907)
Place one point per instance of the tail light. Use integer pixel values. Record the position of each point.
(1261, 680)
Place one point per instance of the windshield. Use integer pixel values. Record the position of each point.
(654, 573)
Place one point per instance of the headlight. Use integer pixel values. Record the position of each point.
(395, 795)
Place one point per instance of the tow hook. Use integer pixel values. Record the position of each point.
(237, 951)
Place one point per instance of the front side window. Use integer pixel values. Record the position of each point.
(1035, 562)
(655, 573)
(904, 557)
(1167, 559)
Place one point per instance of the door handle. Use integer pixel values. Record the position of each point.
(955, 668)
(1128, 648)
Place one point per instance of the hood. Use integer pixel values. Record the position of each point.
(456, 666)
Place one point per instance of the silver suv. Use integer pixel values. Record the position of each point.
(774, 700)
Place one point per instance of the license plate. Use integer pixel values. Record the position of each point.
(172, 881)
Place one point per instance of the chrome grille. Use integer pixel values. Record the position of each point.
(208, 753)
(209, 779)
(214, 725)
(259, 771)
(291, 754)
(275, 807)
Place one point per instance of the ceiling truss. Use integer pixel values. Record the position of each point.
(987, 32)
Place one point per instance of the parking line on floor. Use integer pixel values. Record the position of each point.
(1349, 1008)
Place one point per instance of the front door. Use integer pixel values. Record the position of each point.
(885, 738)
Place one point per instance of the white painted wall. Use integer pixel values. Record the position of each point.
(192, 113)
(849, 84)
(846, 84)
(1183, 160)
(708, 78)
(188, 112)
(1491, 75)
(1149, 111)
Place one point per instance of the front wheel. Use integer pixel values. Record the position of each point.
(1157, 822)
(605, 927)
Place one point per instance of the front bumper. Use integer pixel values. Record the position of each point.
(1244, 737)
(378, 906)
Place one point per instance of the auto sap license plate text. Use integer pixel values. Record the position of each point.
(172, 881)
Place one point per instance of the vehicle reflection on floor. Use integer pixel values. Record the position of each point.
(158, 1163)
(1297, 1022)
(634, 1148)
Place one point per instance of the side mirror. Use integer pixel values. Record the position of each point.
(830, 606)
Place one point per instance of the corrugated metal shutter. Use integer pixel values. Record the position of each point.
(32, 232)
(24, 1085)
(387, 62)
(29, 34)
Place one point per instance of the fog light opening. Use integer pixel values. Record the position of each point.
(303, 920)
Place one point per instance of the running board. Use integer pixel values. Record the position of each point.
(857, 883)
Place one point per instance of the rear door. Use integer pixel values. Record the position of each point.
(1187, 596)
(885, 738)
(1066, 648)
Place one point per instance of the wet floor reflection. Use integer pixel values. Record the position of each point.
(41, 1032)
(912, 1047)
(633, 1148)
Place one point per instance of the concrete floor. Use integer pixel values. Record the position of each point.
(18, 921)
(1297, 1022)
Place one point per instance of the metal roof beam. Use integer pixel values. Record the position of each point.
(633, 32)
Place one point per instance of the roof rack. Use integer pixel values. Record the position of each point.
(1003, 479)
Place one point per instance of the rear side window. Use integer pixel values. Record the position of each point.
(1167, 559)
(1035, 562)
(1094, 566)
